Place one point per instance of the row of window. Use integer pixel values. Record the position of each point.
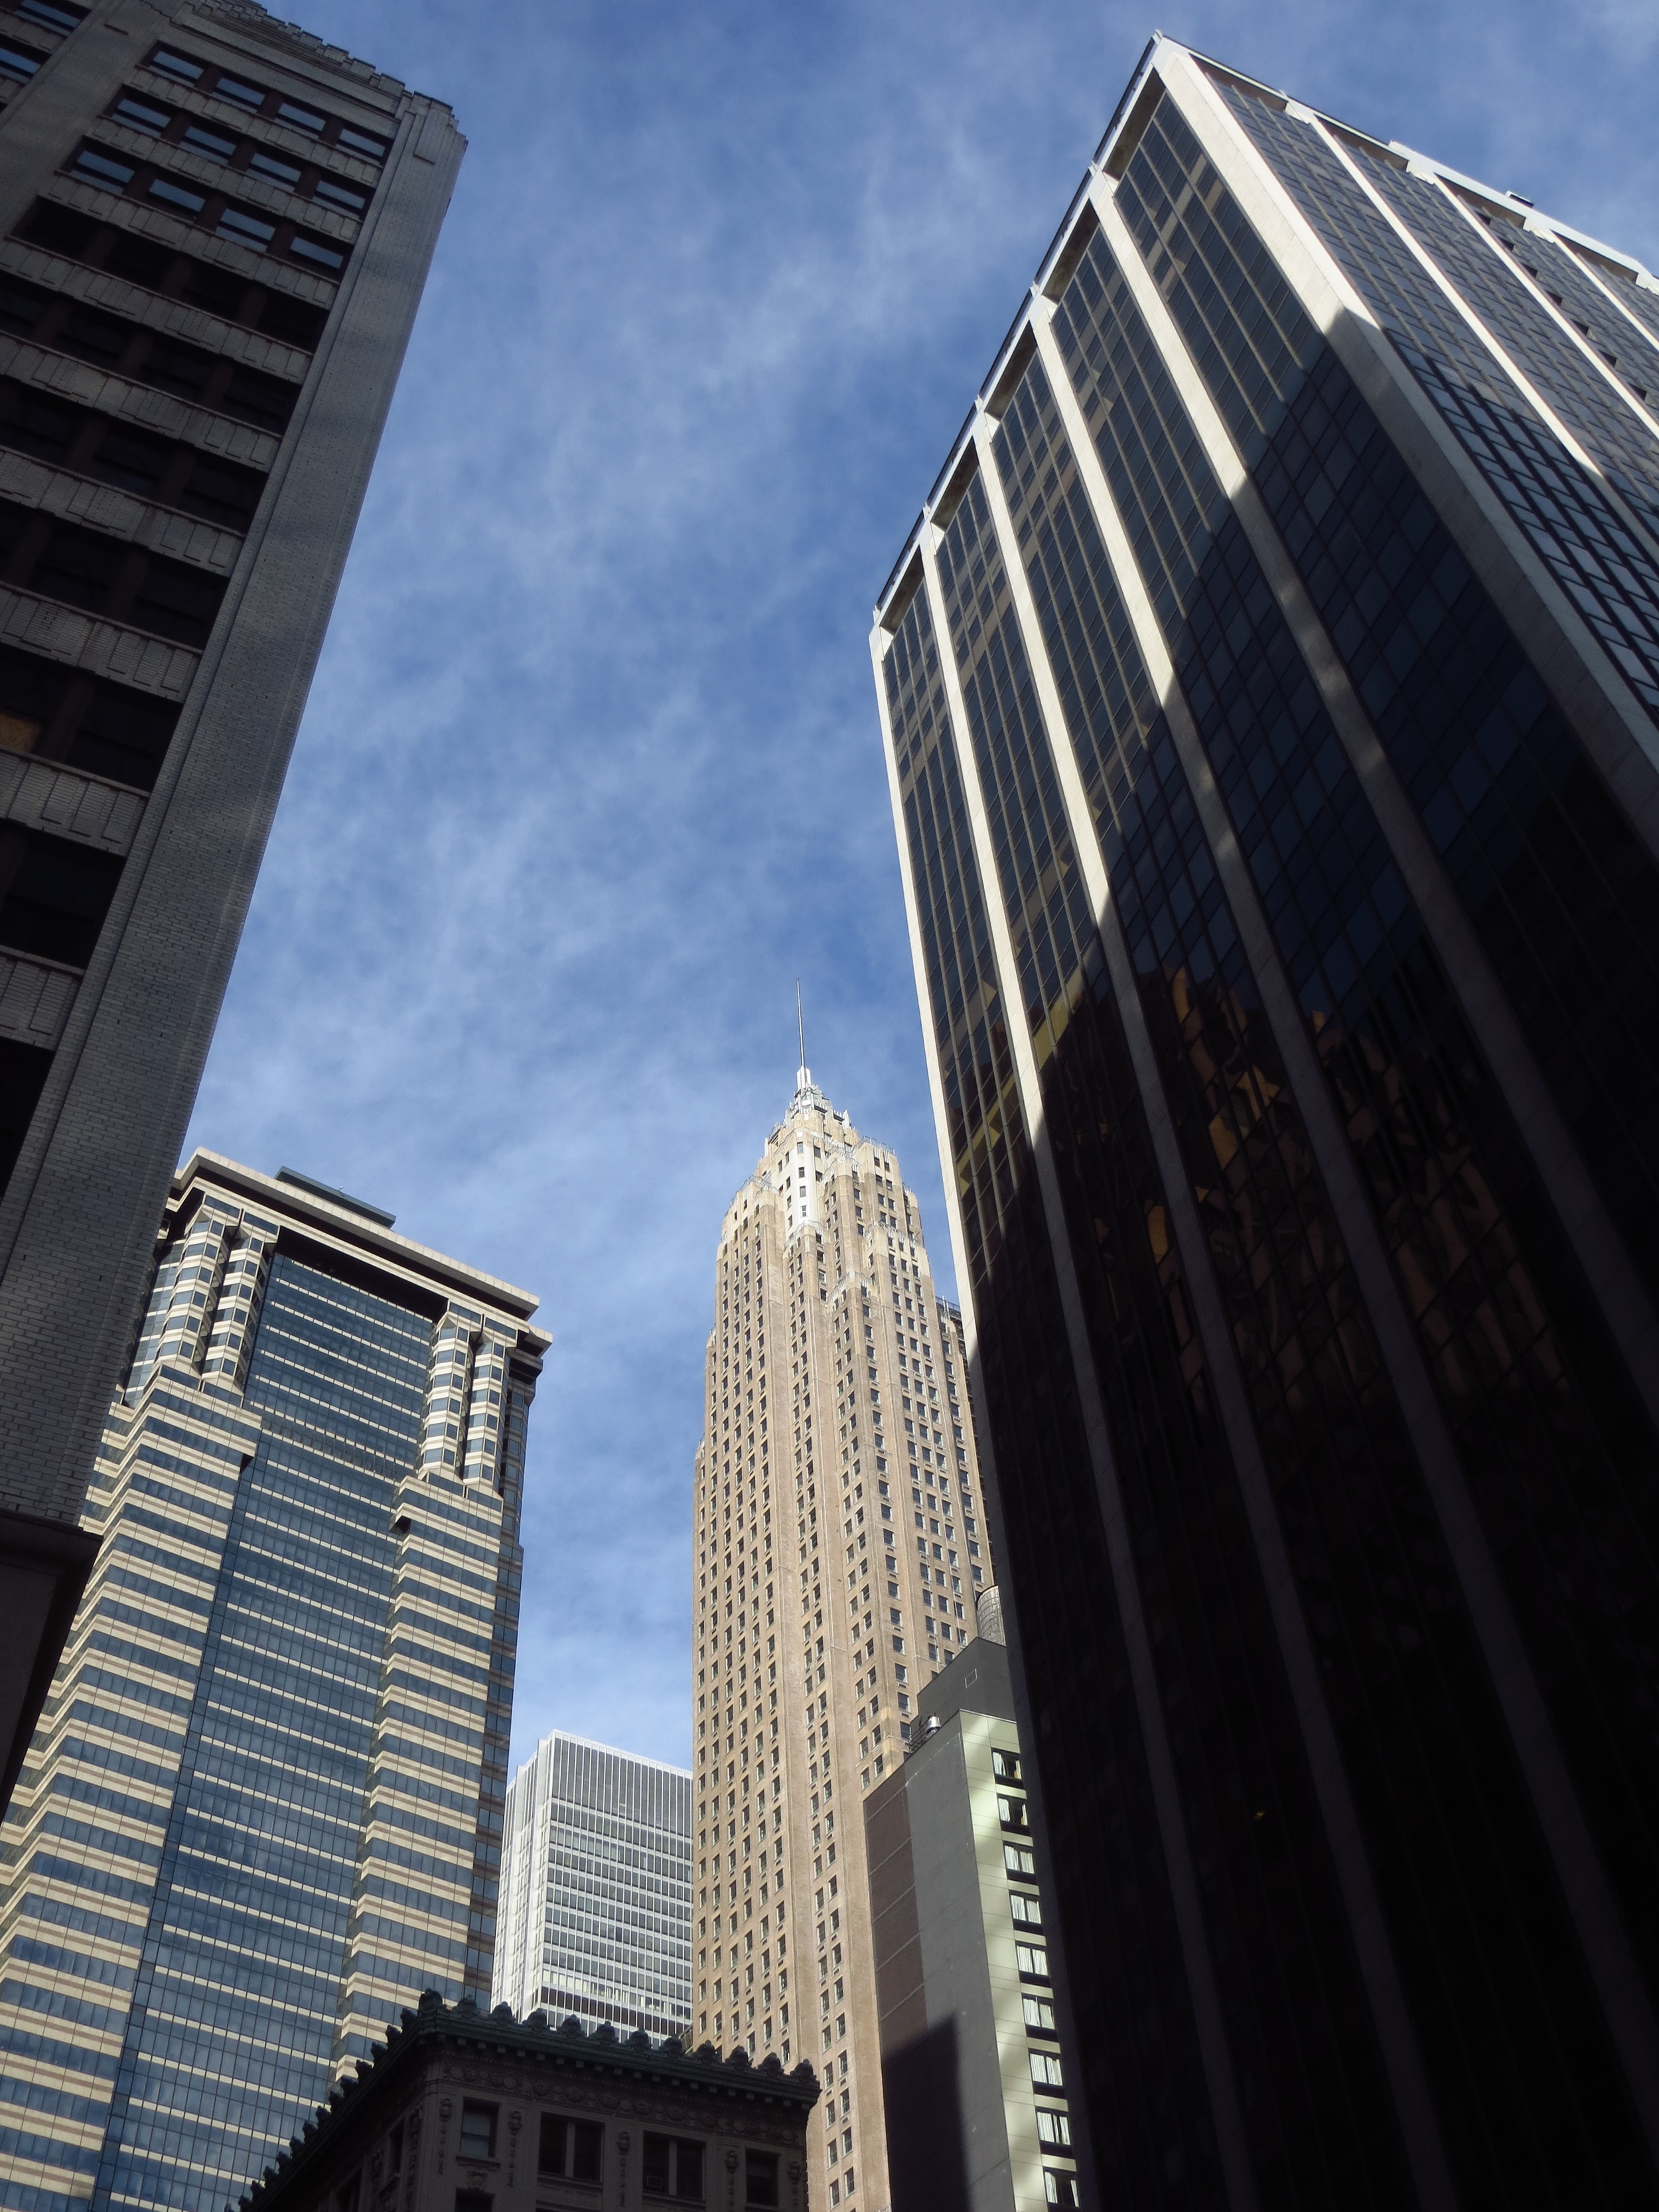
(104, 576)
(259, 99)
(674, 2167)
(172, 274)
(242, 156)
(210, 211)
(160, 470)
(145, 357)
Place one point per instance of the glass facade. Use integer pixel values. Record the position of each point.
(1257, 923)
(275, 1752)
(596, 1889)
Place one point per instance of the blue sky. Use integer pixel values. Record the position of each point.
(591, 771)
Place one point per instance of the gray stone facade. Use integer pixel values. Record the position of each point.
(122, 1026)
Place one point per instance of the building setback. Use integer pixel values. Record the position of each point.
(839, 1548)
(1271, 687)
(595, 1920)
(262, 1808)
(213, 232)
(972, 2069)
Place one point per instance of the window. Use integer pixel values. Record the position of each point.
(1033, 1959)
(1017, 1860)
(298, 118)
(477, 2138)
(1054, 2128)
(245, 95)
(761, 2169)
(1004, 1765)
(1039, 2013)
(280, 172)
(177, 66)
(1025, 1910)
(570, 2147)
(1045, 2070)
(672, 2167)
(50, 13)
(359, 142)
(474, 2200)
(1059, 2188)
(138, 115)
(1011, 1811)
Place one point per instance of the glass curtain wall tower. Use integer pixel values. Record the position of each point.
(1271, 690)
(262, 1810)
(213, 232)
(596, 1889)
(839, 1549)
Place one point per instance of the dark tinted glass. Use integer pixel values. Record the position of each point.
(56, 895)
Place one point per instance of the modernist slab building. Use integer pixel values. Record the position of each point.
(973, 2074)
(1271, 689)
(595, 1920)
(839, 1550)
(262, 1810)
(214, 232)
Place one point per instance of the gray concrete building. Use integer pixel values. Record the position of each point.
(262, 1810)
(595, 1919)
(213, 232)
(973, 2074)
(1270, 686)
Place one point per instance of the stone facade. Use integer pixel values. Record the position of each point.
(272, 283)
(460, 2108)
(840, 1548)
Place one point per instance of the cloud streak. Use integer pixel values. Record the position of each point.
(590, 772)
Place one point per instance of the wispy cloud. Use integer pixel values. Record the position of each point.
(590, 773)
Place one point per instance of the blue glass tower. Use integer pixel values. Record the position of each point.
(263, 1807)
(1271, 687)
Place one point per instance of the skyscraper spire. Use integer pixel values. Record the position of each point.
(803, 1073)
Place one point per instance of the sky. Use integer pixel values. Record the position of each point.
(591, 771)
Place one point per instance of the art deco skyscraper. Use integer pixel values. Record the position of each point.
(214, 232)
(839, 1549)
(595, 1917)
(1271, 686)
(262, 1810)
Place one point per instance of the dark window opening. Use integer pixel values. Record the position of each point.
(761, 2176)
(221, 492)
(158, 269)
(122, 735)
(570, 2149)
(18, 62)
(23, 1070)
(100, 728)
(179, 67)
(21, 306)
(32, 423)
(77, 566)
(176, 603)
(253, 397)
(93, 336)
(672, 2166)
(131, 460)
(53, 896)
(473, 2200)
(181, 369)
(51, 15)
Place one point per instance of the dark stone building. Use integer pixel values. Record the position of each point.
(1271, 685)
(213, 232)
(461, 2110)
